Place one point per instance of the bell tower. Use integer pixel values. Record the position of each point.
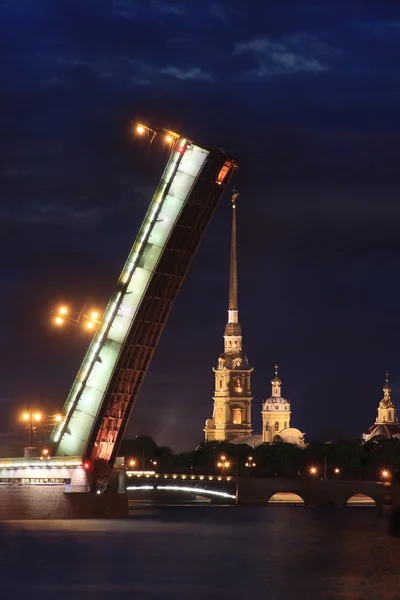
(232, 396)
(387, 412)
(275, 411)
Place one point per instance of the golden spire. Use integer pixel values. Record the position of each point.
(276, 380)
(233, 284)
(386, 401)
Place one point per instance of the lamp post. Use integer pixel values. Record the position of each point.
(314, 470)
(223, 463)
(250, 464)
(32, 418)
(63, 316)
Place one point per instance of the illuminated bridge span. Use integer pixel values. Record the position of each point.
(215, 487)
(103, 395)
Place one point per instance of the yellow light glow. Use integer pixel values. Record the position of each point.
(59, 321)
(95, 315)
(140, 129)
(63, 310)
(337, 470)
(132, 463)
(313, 470)
(37, 416)
(227, 464)
(25, 416)
(45, 451)
(168, 138)
(90, 325)
(385, 473)
(58, 418)
(223, 457)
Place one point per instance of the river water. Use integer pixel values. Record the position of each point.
(211, 552)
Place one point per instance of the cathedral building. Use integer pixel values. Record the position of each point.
(231, 420)
(232, 396)
(386, 423)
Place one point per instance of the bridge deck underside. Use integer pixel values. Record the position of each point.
(153, 313)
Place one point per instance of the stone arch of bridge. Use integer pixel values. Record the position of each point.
(287, 497)
(293, 492)
(360, 498)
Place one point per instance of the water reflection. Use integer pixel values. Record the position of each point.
(204, 552)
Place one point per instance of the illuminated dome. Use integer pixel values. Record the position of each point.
(291, 435)
(386, 424)
(387, 430)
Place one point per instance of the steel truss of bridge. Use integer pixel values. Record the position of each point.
(105, 390)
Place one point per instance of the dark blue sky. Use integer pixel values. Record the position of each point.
(306, 95)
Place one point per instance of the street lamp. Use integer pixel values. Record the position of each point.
(33, 418)
(223, 463)
(169, 136)
(250, 464)
(313, 470)
(132, 462)
(89, 319)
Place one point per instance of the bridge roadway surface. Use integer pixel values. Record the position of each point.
(257, 490)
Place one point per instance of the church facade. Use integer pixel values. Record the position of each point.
(231, 419)
(386, 422)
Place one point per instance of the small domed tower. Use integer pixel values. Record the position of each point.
(387, 412)
(386, 423)
(275, 411)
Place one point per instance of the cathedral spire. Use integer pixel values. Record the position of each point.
(386, 401)
(233, 333)
(233, 283)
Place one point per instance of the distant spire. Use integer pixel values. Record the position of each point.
(386, 401)
(233, 282)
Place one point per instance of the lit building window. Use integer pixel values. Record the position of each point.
(237, 416)
(276, 425)
(238, 384)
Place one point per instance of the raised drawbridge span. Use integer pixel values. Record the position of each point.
(106, 387)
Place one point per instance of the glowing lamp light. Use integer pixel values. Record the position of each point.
(337, 470)
(86, 465)
(25, 417)
(45, 451)
(132, 462)
(63, 310)
(90, 325)
(58, 418)
(140, 129)
(168, 138)
(59, 321)
(95, 315)
(313, 470)
(37, 416)
(385, 473)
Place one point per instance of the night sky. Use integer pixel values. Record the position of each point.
(306, 96)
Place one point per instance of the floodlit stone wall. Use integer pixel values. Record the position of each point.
(51, 502)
